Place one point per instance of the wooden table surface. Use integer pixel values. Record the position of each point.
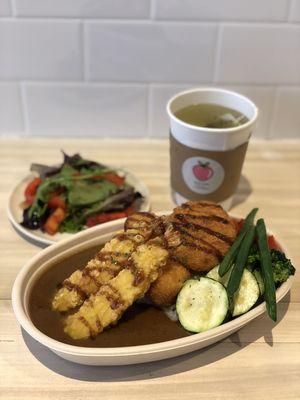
(261, 361)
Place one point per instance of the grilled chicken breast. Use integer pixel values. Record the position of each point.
(107, 305)
(198, 234)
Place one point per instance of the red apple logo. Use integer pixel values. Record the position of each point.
(202, 171)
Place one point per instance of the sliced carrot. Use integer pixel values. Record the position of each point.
(54, 220)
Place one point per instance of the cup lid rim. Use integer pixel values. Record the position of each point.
(212, 130)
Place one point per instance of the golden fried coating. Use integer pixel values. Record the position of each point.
(139, 227)
(107, 263)
(144, 223)
(164, 290)
(198, 234)
(111, 301)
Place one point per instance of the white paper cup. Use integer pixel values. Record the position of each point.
(206, 163)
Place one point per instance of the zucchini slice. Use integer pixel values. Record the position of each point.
(202, 304)
(247, 294)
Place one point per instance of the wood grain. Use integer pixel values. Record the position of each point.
(261, 361)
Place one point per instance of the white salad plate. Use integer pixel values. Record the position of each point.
(15, 212)
(97, 235)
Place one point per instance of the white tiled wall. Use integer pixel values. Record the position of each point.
(85, 109)
(40, 50)
(221, 10)
(5, 7)
(150, 52)
(106, 68)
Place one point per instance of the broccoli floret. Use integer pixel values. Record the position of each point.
(253, 260)
(282, 267)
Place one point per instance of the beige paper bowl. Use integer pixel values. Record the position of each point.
(111, 356)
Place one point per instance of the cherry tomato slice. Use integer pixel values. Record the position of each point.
(105, 217)
(56, 201)
(30, 190)
(272, 243)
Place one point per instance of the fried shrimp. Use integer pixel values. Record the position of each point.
(139, 227)
(106, 307)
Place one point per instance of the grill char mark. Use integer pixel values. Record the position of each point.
(139, 276)
(93, 334)
(127, 236)
(72, 286)
(215, 218)
(209, 231)
(98, 322)
(115, 300)
(88, 272)
(211, 205)
(210, 249)
(136, 218)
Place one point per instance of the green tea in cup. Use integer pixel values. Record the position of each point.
(209, 134)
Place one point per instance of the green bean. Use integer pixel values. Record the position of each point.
(266, 269)
(240, 263)
(232, 252)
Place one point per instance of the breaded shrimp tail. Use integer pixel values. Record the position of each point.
(111, 259)
(111, 301)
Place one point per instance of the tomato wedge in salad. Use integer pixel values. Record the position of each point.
(30, 190)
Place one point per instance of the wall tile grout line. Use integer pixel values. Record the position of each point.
(217, 53)
(121, 20)
(152, 10)
(143, 83)
(207, 22)
(24, 105)
(13, 7)
(88, 83)
(84, 51)
(288, 11)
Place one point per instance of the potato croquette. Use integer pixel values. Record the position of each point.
(164, 290)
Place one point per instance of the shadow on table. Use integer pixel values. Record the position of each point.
(155, 369)
(243, 191)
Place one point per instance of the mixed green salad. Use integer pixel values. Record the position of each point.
(77, 194)
(251, 271)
